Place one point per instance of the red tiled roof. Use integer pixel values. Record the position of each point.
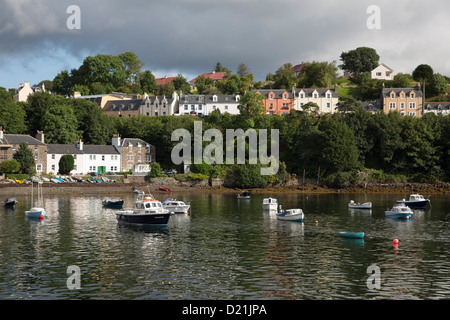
(212, 75)
(161, 81)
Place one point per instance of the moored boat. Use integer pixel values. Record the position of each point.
(36, 211)
(176, 206)
(270, 204)
(353, 205)
(415, 201)
(352, 235)
(245, 195)
(115, 204)
(10, 203)
(146, 211)
(399, 211)
(291, 215)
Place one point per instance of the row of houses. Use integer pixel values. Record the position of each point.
(406, 101)
(122, 155)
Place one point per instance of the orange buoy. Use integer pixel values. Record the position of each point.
(395, 241)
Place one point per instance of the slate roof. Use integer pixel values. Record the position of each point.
(192, 99)
(386, 92)
(277, 92)
(437, 106)
(87, 149)
(321, 92)
(221, 99)
(19, 138)
(123, 105)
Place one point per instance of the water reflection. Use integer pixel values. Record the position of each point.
(225, 248)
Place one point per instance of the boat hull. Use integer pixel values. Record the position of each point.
(352, 235)
(366, 205)
(144, 219)
(178, 209)
(414, 204)
(397, 215)
(10, 203)
(35, 213)
(297, 217)
(271, 207)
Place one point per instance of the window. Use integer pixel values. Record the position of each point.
(284, 97)
(53, 167)
(75, 157)
(392, 105)
(39, 167)
(215, 98)
(328, 96)
(214, 107)
(412, 95)
(315, 96)
(103, 158)
(328, 105)
(226, 107)
(402, 105)
(412, 105)
(271, 96)
(378, 74)
(35, 157)
(193, 107)
(392, 95)
(412, 114)
(402, 96)
(35, 148)
(186, 107)
(53, 157)
(199, 107)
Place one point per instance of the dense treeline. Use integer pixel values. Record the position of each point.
(335, 147)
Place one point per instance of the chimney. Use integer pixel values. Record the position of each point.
(1, 133)
(40, 136)
(79, 145)
(116, 140)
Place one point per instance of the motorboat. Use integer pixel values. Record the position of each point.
(399, 211)
(37, 211)
(270, 204)
(146, 211)
(10, 203)
(415, 200)
(245, 195)
(114, 204)
(175, 206)
(353, 205)
(291, 215)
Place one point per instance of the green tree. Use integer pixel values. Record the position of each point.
(423, 73)
(181, 84)
(9, 166)
(251, 104)
(60, 124)
(359, 60)
(156, 170)
(132, 65)
(285, 77)
(438, 85)
(25, 157)
(62, 83)
(148, 82)
(12, 116)
(66, 164)
(202, 83)
(339, 151)
(318, 74)
(242, 70)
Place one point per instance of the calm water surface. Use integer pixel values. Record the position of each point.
(226, 249)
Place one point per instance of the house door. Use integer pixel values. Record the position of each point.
(101, 169)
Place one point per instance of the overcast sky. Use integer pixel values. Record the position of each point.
(190, 36)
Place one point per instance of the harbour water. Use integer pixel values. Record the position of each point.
(226, 248)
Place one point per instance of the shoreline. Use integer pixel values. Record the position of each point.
(14, 189)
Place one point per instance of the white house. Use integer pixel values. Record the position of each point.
(192, 104)
(24, 90)
(87, 158)
(326, 99)
(223, 103)
(382, 72)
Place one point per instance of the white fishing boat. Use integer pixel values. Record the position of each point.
(353, 205)
(399, 211)
(176, 206)
(37, 211)
(291, 215)
(270, 204)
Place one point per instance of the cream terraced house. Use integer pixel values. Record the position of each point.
(326, 99)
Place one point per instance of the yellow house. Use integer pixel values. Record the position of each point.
(406, 101)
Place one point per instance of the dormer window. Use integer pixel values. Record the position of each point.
(412, 95)
(214, 98)
(271, 96)
(392, 95)
(238, 98)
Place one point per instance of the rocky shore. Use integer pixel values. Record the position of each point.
(16, 189)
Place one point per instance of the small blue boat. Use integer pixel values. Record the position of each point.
(415, 201)
(352, 235)
(399, 211)
(35, 213)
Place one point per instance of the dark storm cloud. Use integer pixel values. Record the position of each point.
(190, 36)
